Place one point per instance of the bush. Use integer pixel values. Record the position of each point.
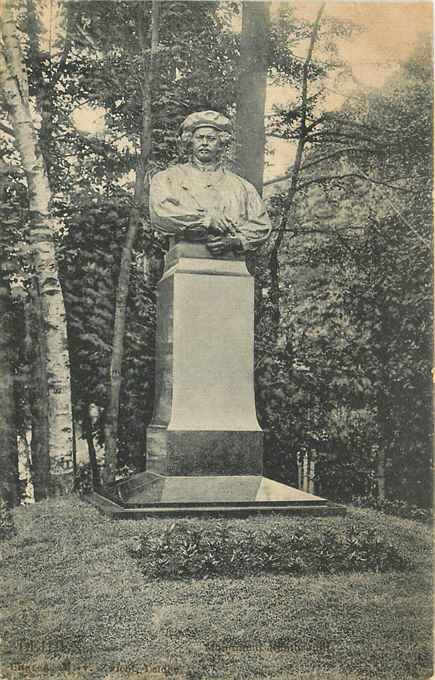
(7, 527)
(397, 508)
(83, 480)
(180, 552)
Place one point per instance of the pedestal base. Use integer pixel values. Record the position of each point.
(176, 452)
(151, 495)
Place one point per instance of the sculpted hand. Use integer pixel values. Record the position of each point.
(197, 232)
(220, 244)
(215, 223)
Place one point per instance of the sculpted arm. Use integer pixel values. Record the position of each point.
(256, 230)
(171, 210)
(249, 233)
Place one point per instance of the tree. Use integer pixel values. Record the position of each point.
(185, 82)
(8, 429)
(358, 299)
(37, 390)
(302, 138)
(112, 413)
(251, 99)
(14, 85)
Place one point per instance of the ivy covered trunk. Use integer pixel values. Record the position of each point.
(13, 80)
(8, 430)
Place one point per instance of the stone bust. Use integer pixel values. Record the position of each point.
(203, 202)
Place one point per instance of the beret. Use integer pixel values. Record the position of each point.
(206, 119)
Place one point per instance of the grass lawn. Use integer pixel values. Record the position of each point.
(76, 606)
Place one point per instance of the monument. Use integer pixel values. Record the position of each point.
(204, 444)
(205, 420)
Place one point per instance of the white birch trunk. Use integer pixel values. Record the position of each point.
(13, 82)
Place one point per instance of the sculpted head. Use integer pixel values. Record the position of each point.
(205, 135)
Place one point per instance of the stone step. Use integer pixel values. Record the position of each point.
(117, 511)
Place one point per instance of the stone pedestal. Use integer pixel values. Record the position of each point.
(204, 416)
(204, 445)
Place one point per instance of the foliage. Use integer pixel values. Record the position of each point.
(350, 382)
(108, 66)
(83, 480)
(397, 508)
(181, 551)
(89, 257)
(7, 526)
(98, 61)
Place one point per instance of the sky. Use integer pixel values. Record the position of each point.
(389, 32)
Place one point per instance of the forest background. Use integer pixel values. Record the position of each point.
(343, 288)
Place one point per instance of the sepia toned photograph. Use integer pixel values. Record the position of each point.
(216, 340)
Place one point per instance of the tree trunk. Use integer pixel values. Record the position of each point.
(44, 93)
(274, 294)
(35, 355)
(112, 413)
(250, 128)
(13, 80)
(380, 475)
(8, 427)
(294, 179)
(87, 433)
(25, 464)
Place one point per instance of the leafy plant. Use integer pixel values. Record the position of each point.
(7, 526)
(396, 507)
(180, 552)
(83, 482)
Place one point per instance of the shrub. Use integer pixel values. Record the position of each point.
(83, 480)
(7, 527)
(395, 507)
(180, 552)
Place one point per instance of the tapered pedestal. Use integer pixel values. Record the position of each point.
(204, 445)
(204, 417)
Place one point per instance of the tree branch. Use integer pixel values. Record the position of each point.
(87, 38)
(407, 224)
(12, 170)
(118, 343)
(337, 134)
(316, 161)
(281, 178)
(366, 126)
(356, 175)
(302, 135)
(329, 232)
(66, 48)
(8, 130)
(315, 123)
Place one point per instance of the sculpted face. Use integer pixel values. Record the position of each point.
(206, 144)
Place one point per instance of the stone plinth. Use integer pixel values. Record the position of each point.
(204, 419)
(147, 487)
(151, 495)
(204, 445)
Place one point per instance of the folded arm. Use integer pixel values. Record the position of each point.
(171, 209)
(249, 234)
(256, 230)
